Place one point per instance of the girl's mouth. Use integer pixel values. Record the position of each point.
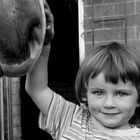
(110, 113)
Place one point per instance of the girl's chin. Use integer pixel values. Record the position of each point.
(115, 126)
(102, 123)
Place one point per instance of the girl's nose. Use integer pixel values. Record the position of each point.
(109, 101)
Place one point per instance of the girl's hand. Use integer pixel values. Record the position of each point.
(49, 24)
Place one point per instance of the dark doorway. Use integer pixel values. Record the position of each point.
(63, 66)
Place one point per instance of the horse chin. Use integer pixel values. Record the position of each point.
(16, 70)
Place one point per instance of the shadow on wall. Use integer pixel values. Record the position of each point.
(63, 66)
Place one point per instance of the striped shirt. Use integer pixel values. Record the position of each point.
(65, 121)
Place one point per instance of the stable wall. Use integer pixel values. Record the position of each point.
(109, 20)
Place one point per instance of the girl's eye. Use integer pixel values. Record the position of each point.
(122, 94)
(98, 93)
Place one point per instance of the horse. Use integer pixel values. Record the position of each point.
(26, 26)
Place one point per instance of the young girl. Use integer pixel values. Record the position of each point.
(107, 88)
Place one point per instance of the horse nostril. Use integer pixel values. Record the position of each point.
(32, 30)
(32, 34)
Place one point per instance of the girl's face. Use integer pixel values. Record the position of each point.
(111, 105)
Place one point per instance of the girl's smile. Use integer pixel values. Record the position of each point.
(111, 105)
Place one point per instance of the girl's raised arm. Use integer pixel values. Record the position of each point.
(37, 78)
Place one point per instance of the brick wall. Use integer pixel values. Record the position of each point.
(114, 20)
(16, 116)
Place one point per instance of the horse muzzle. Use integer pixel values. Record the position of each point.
(22, 33)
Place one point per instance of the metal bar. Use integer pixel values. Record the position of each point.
(1, 110)
(5, 107)
(109, 19)
(81, 30)
(125, 15)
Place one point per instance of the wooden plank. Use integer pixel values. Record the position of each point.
(81, 30)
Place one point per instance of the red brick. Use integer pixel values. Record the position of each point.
(119, 34)
(134, 43)
(97, 11)
(16, 121)
(88, 36)
(138, 33)
(15, 80)
(16, 110)
(131, 33)
(15, 88)
(114, 24)
(98, 25)
(130, 20)
(104, 35)
(137, 6)
(17, 133)
(133, 20)
(88, 12)
(130, 7)
(15, 99)
(102, 43)
(88, 47)
(107, 10)
(98, 1)
(110, 1)
(87, 2)
(88, 24)
(137, 20)
(119, 9)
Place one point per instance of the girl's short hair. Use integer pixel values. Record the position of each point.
(117, 61)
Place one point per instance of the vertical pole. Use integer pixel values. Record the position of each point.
(6, 126)
(81, 30)
(1, 110)
(125, 20)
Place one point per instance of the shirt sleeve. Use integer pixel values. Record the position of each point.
(60, 113)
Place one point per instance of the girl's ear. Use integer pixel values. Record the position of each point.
(84, 99)
(138, 91)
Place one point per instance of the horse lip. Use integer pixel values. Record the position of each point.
(16, 70)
